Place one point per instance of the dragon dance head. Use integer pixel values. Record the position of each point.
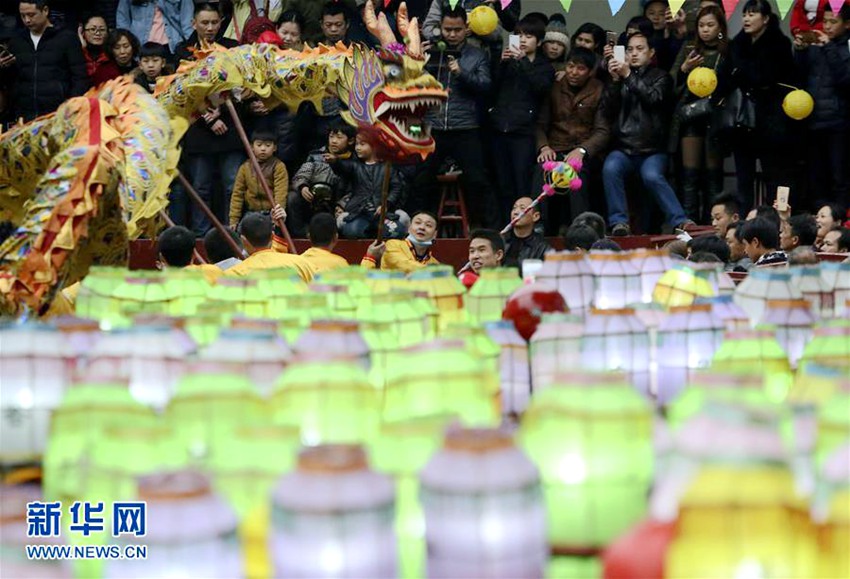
(388, 92)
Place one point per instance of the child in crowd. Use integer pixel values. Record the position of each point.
(152, 59)
(248, 195)
(358, 213)
(315, 186)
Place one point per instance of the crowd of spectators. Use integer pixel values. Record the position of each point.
(618, 101)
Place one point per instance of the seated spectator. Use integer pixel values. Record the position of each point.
(523, 242)
(799, 230)
(765, 212)
(640, 97)
(710, 244)
(573, 126)
(738, 260)
(153, 58)
(486, 249)
(359, 212)
(724, 211)
(256, 230)
(316, 188)
(803, 255)
(828, 218)
(122, 48)
(323, 237)
(836, 241)
(44, 64)
(93, 41)
(411, 254)
(761, 242)
(704, 257)
(556, 45)
(248, 195)
(161, 21)
(580, 237)
(523, 78)
(175, 247)
(219, 252)
(290, 28)
(592, 220)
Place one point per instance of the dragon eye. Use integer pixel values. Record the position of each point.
(394, 72)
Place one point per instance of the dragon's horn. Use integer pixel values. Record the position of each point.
(378, 26)
(402, 20)
(414, 41)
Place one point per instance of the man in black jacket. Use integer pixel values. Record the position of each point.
(465, 71)
(522, 242)
(211, 144)
(639, 101)
(45, 65)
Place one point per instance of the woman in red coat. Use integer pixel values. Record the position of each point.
(122, 47)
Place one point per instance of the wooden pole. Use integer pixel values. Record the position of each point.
(385, 193)
(197, 257)
(264, 185)
(237, 251)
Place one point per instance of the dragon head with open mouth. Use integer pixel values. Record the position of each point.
(388, 92)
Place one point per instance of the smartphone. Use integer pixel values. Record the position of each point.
(620, 53)
(611, 38)
(782, 198)
(513, 41)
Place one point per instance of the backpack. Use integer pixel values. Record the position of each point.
(255, 25)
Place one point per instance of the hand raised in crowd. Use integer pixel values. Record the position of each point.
(81, 36)
(218, 127)
(547, 153)
(608, 51)
(559, 75)
(783, 215)
(278, 213)
(7, 59)
(677, 23)
(512, 53)
(212, 114)
(330, 158)
(618, 70)
(376, 250)
(307, 194)
(694, 60)
(454, 65)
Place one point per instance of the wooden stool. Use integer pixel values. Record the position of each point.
(451, 216)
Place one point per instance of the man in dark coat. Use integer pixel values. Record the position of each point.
(44, 66)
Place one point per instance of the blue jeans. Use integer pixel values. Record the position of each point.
(200, 172)
(618, 166)
(359, 227)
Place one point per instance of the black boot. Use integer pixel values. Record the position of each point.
(691, 193)
(713, 188)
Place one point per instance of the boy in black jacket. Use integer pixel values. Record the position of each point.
(152, 59)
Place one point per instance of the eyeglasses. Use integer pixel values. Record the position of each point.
(96, 30)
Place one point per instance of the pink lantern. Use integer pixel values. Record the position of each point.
(333, 339)
(794, 323)
(651, 263)
(513, 367)
(815, 290)
(617, 280)
(616, 339)
(761, 285)
(570, 272)
(725, 308)
(555, 348)
(837, 278)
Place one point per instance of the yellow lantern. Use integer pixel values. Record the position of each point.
(798, 104)
(483, 20)
(702, 81)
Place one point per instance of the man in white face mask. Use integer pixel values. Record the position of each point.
(409, 254)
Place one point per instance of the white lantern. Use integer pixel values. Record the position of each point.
(333, 517)
(651, 263)
(617, 340)
(36, 363)
(837, 277)
(264, 354)
(725, 308)
(484, 512)
(333, 339)
(815, 290)
(617, 280)
(151, 357)
(514, 367)
(687, 340)
(191, 532)
(761, 285)
(555, 347)
(794, 323)
(570, 272)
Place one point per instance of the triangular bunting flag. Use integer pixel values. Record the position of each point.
(566, 4)
(506, 3)
(836, 5)
(729, 6)
(784, 7)
(675, 5)
(453, 3)
(616, 5)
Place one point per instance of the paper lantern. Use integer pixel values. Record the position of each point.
(814, 289)
(832, 513)
(36, 364)
(617, 280)
(756, 352)
(444, 289)
(440, 378)
(652, 264)
(333, 517)
(333, 340)
(593, 447)
(340, 301)
(555, 347)
(189, 531)
(702, 81)
(299, 313)
(263, 353)
(330, 401)
(617, 340)
(398, 312)
(681, 286)
(488, 296)
(420, 301)
(798, 104)
(570, 272)
(240, 296)
(528, 303)
(141, 294)
(382, 282)
(483, 20)
(830, 345)
(793, 322)
(837, 277)
(687, 340)
(353, 278)
(725, 308)
(187, 289)
(277, 286)
(484, 512)
(94, 299)
(383, 342)
(514, 368)
(761, 285)
(816, 384)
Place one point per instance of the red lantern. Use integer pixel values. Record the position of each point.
(527, 304)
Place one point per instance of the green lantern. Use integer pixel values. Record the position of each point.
(384, 282)
(141, 294)
(383, 343)
(241, 295)
(329, 401)
(593, 447)
(206, 323)
(277, 286)
(299, 313)
(488, 296)
(187, 290)
(756, 352)
(829, 346)
(353, 278)
(395, 312)
(94, 300)
(444, 289)
(340, 301)
(477, 341)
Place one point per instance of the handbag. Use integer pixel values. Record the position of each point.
(736, 111)
(696, 110)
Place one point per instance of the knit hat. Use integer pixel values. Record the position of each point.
(557, 32)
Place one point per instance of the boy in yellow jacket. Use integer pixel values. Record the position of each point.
(248, 195)
(409, 254)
